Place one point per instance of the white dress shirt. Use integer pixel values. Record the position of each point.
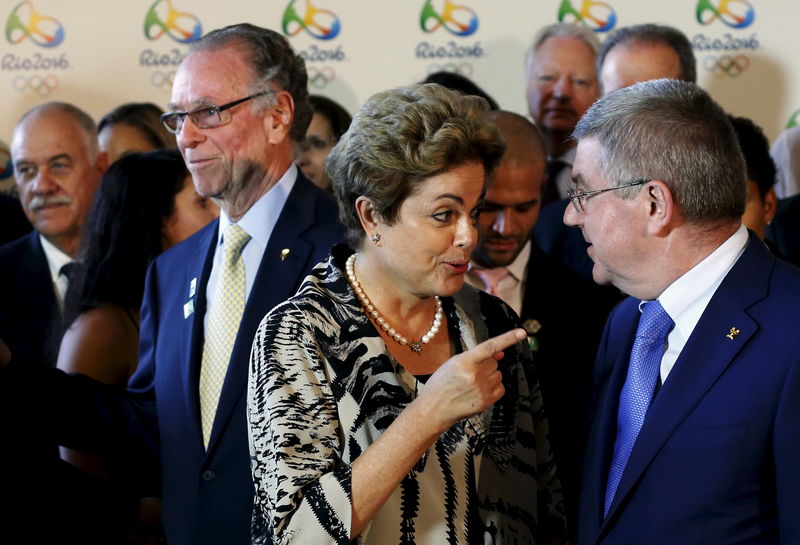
(55, 260)
(687, 297)
(258, 222)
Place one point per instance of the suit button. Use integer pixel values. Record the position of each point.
(208, 475)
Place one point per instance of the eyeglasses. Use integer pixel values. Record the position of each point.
(204, 117)
(579, 199)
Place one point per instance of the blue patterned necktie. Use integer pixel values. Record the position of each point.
(637, 393)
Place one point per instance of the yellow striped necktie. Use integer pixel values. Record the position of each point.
(224, 316)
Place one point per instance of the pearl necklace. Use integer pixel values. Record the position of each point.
(416, 346)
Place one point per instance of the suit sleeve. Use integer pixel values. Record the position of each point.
(787, 446)
(303, 489)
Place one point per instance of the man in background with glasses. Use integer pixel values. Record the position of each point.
(239, 104)
(695, 436)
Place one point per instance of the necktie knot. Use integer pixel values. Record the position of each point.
(234, 241)
(654, 323)
(69, 270)
(491, 278)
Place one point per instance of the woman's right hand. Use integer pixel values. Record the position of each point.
(468, 383)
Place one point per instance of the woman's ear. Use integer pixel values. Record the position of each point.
(368, 215)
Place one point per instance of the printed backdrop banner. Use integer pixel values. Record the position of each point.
(98, 54)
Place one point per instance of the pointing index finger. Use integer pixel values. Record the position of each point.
(495, 345)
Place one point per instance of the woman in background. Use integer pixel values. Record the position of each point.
(329, 122)
(145, 204)
(132, 128)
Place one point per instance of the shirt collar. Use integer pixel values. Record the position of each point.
(517, 267)
(55, 258)
(687, 297)
(261, 218)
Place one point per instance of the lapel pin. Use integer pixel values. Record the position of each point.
(188, 308)
(732, 333)
(285, 252)
(193, 287)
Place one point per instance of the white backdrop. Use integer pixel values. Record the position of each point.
(101, 53)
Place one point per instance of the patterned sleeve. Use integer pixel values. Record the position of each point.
(302, 486)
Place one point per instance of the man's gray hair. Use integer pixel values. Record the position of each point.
(563, 30)
(83, 120)
(273, 62)
(650, 34)
(671, 131)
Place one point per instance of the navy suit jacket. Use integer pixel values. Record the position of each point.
(716, 460)
(29, 313)
(571, 313)
(208, 494)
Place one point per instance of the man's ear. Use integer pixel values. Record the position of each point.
(770, 206)
(279, 118)
(661, 207)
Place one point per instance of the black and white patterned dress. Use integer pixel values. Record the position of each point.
(323, 387)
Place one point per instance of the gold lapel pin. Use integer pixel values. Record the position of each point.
(284, 253)
(732, 333)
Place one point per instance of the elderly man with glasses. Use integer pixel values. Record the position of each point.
(239, 104)
(695, 434)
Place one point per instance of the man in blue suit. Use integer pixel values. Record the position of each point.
(696, 429)
(239, 104)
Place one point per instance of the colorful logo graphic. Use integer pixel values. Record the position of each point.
(457, 19)
(6, 169)
(25, 22)
(740, 17)
(794, 120)
(727, 65)
(323, 24)
(598, 16)
(162, 18)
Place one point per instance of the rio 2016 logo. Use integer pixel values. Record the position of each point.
(25, 22)
(162, 18)
(599, 16)
(740, 17)
(322, 24)
(456, 19)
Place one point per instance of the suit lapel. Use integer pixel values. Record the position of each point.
(192, 330)
(708, 352)
(601, 442)
(279, 275)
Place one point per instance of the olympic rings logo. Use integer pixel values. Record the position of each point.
(727, 65)
(321, 77)
(463, 24)
(462, 69)
(173, 22)
(707, 13)
(35, 84)
(322, 24)
(162, 80)
(599, 16)
(25, 22)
